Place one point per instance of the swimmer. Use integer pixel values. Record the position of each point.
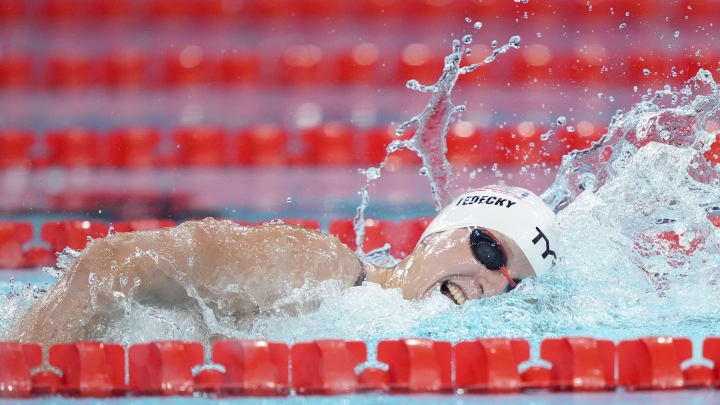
(482, 244)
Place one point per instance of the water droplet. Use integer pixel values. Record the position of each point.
(412, 84)
(677, 34)
(493, 43)
(570, 128)
(646, 72)
(514, 41)
(611, 99)
(477, 25)
(539, 35)
(622, 26)
(697, 53)
(627, 14)
(467, 39)
(423, 171)
(560, 121)
(468, 52)
(468, 20)
(288, 200)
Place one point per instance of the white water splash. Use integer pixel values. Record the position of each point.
(431, 127)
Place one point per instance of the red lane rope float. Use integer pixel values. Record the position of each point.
(328, 367)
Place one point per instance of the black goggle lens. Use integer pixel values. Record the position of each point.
(486, 250)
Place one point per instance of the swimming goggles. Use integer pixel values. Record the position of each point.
(488, 251)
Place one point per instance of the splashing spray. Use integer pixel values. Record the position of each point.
(431, 127)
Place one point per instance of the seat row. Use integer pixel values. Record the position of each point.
(365, 63)
(158, 10)
(268, 145)
(14, 236)
(401, 235)
(327, 367)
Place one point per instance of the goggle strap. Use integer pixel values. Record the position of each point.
(507, 276)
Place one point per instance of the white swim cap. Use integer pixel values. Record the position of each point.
(513, 211)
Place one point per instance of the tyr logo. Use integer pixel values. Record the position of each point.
(547, 251)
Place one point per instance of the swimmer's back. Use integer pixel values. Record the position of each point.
(237, 271)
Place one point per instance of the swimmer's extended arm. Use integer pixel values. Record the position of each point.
(235, 271)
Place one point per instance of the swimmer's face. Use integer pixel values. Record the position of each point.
(445, 260)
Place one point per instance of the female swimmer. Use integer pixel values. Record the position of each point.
(482, 244)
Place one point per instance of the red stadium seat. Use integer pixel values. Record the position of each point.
(469, 146)
(240, 68)
(253, 367)
(583, 136)
(63, 10)
(403, 236)
(200, 147)
(76, 147)
(170, 9)
(694, 59)
(591, 64)
(326, 367)
(435, 9)
(377, 141)
(69, 70)
(580, 364)
(521, 145)
(300, 64)
(481, 9)
(12, 9)
(13, 235)
(343, 229)
(612, 10)
(381, 9)
(90, 369)
(219, 9)
(133, 147)
(330, 144)
(490, 365)
(417, 365)
(358, 65)
(536, 63)
(649, 69)
(14, 148)
(696, 11)
(189, 65)
(72, 234)
(142, 225)
(111, 10)
(125, 68)
(419, 62)
(263, 145)
(16, 362)
(15, 69)
(652, 363)
(163, 368)
(273, 8)
(318, 8)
